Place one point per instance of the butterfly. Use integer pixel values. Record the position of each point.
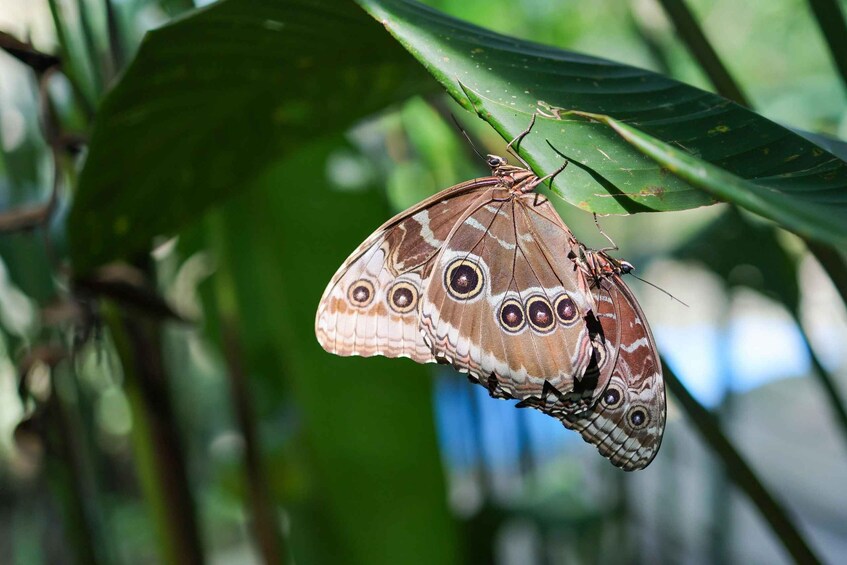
(486, 277)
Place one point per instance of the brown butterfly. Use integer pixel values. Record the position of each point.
(485, 276)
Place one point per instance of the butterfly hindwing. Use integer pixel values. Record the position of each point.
(627, 422)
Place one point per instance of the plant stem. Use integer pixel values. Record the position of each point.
(66, 472)
(90, 46)
(116, 45)
(161, 459)
(831, 21)
(833, 263)
(741, 473)
(265, 525)
(692, 35)
(836, 402)
(70, 66)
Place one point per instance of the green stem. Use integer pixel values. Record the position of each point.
(741, 473)
(831, 21)
(265, 526)
(116, 45)
(836, 402)
(651, 42)
(66, 472)
(161, 460)
(692, 35)
(70, 66)
(833, 263)
(90, 46)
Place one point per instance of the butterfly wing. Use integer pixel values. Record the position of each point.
(504, 303)
(628, 421)
(370, 306)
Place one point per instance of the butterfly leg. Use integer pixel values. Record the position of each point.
(614, 246)
(517, 141)
(552, 176)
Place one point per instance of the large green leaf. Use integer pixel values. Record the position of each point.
(213, 99)
(371, 487)
(707, 141)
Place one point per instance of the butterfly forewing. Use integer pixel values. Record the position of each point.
(370, 306)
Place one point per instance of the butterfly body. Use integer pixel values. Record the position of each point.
(485, 276)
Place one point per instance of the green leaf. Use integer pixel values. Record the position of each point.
(212, 100)
(808, 214)
(709, 140)
(373, 487)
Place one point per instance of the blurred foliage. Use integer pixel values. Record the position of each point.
(370, 486)
(177, 408)
(177, 104)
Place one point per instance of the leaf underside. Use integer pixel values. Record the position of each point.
(650, 143)
(213, 100)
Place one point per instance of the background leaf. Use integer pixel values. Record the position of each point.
(372, 487)
(228, 76)
(747, 254)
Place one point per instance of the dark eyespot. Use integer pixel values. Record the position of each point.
(612, 397)
(638, 417)
(566, 310)
(403, 297)
(511, 316)
(361, 293)
(540, 314)
(463, 279)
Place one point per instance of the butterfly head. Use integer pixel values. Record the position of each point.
(610, 265)
(495, 162)
(600, 264)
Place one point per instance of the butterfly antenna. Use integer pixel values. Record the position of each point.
(470, 141)
(658, 288)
